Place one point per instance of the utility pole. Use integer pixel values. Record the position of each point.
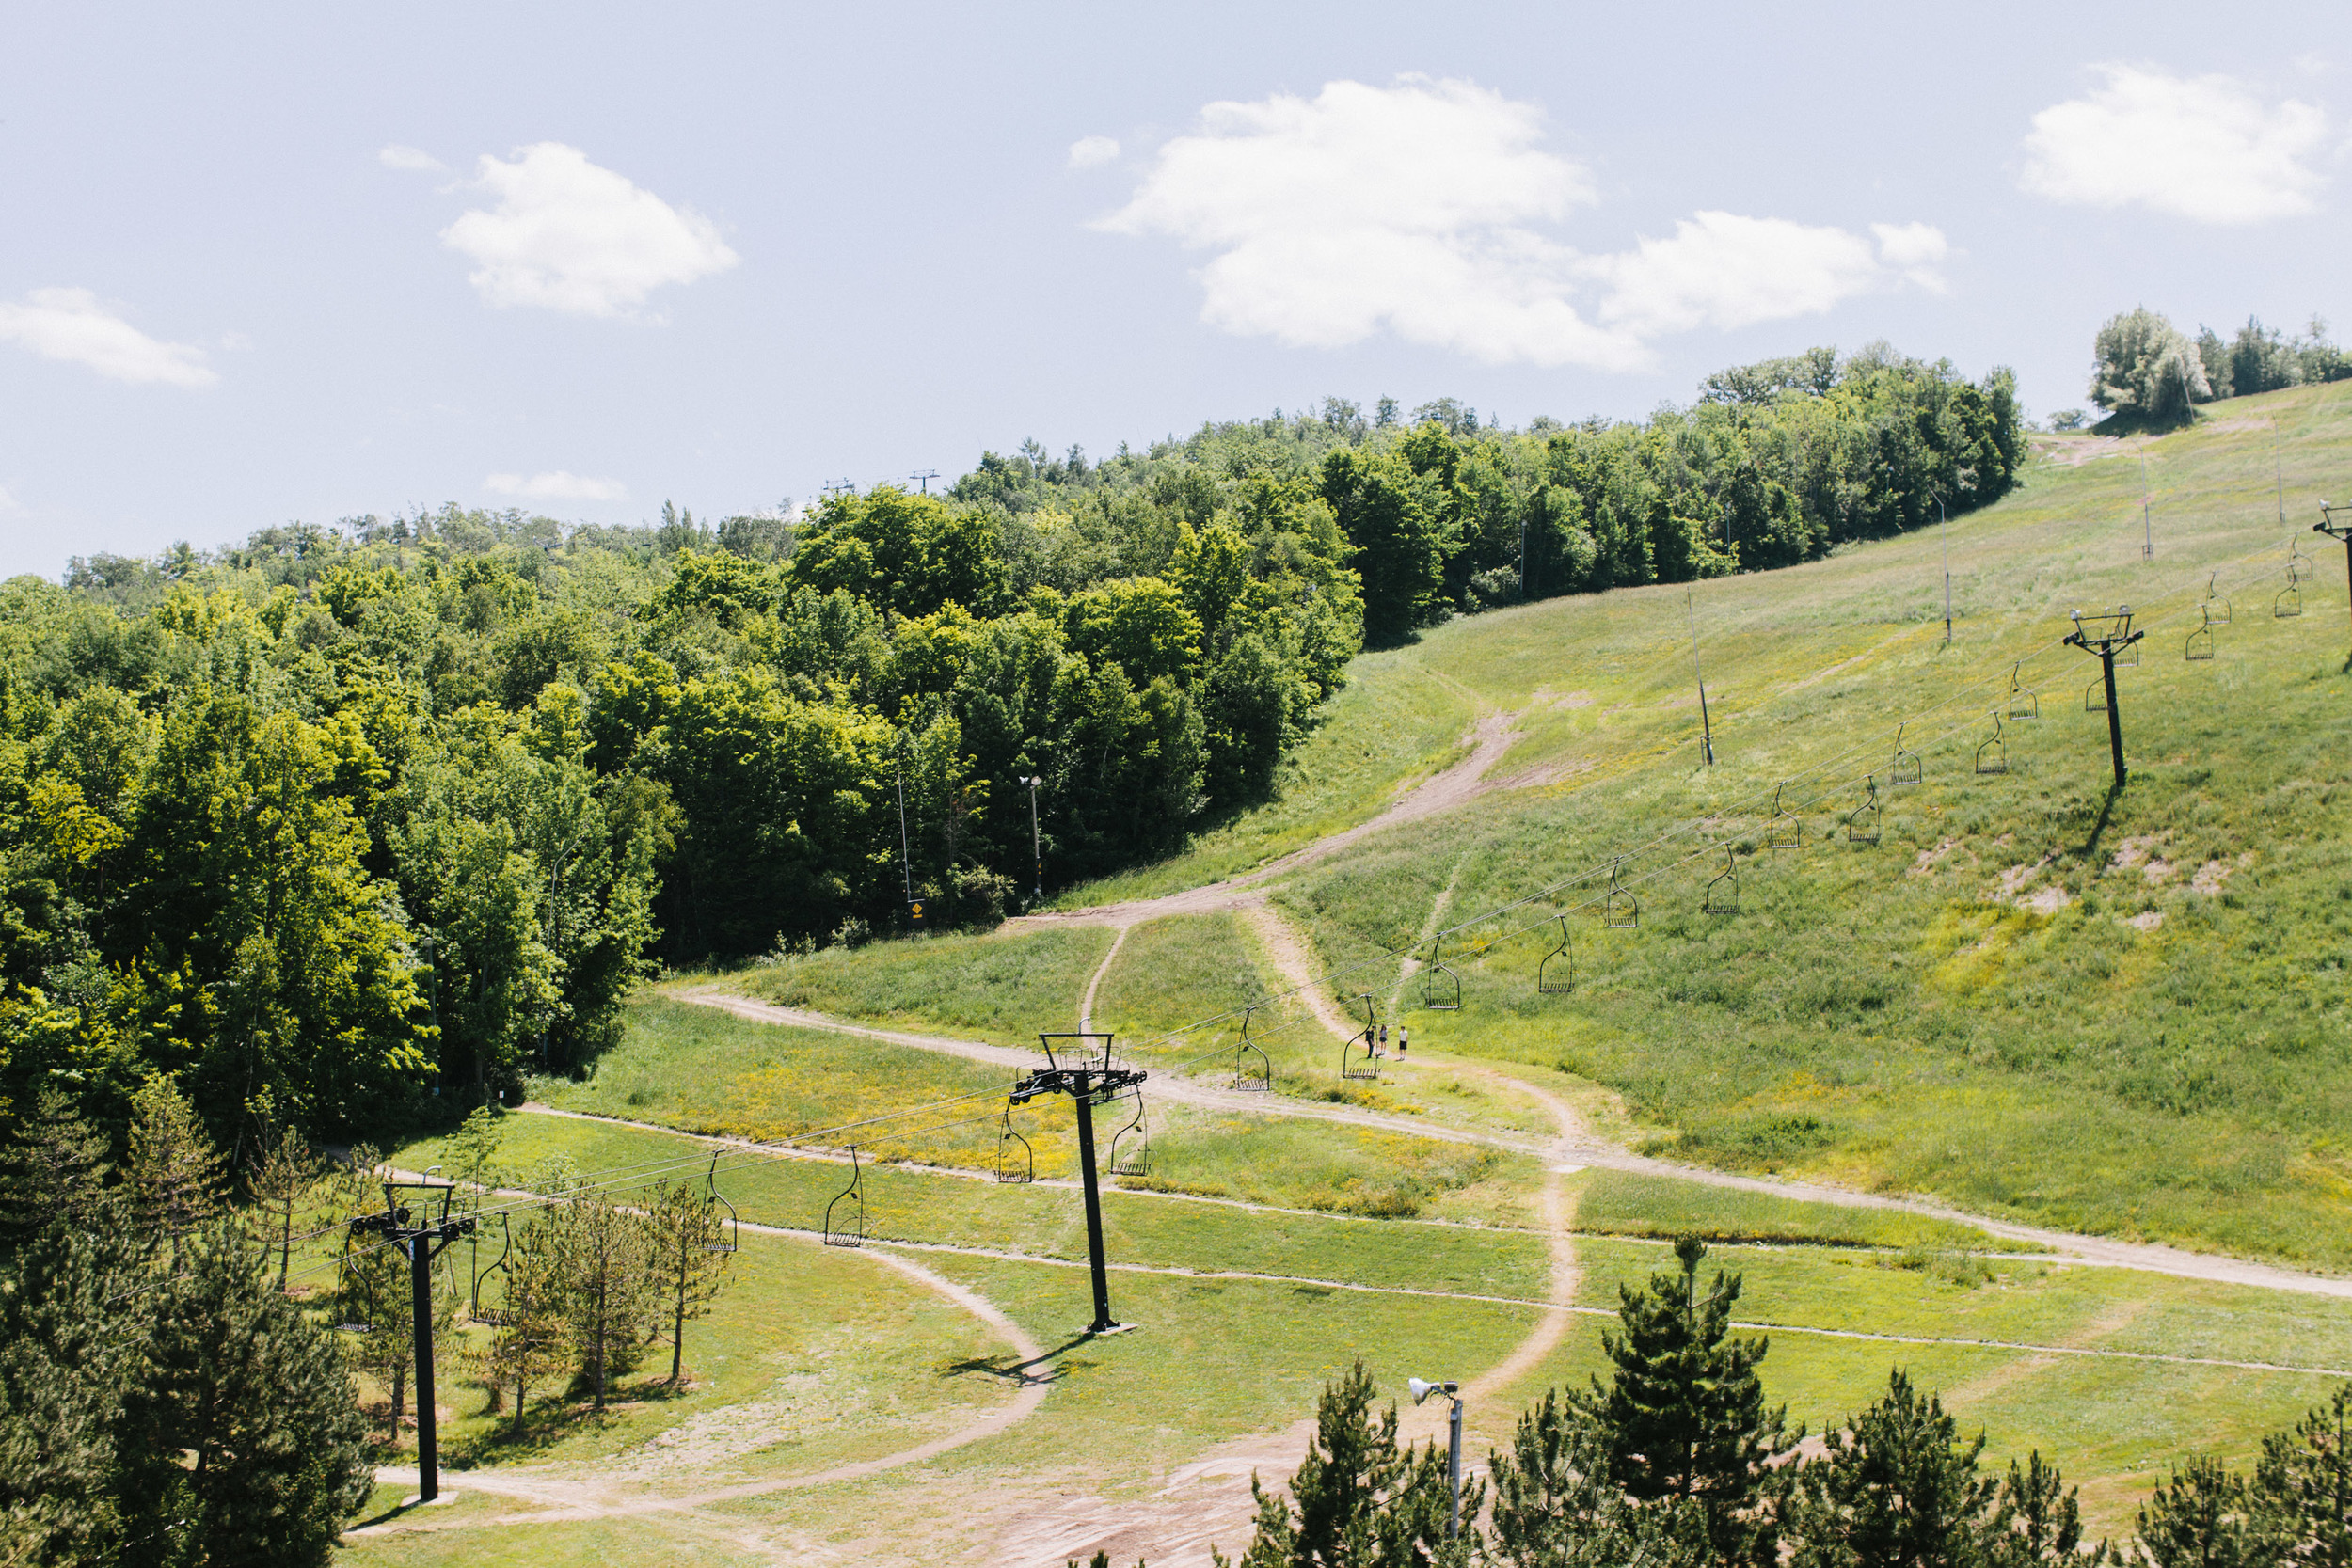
(2107, 636)
(2342, 532)
(1037, 850)
(925, 478)
(2147, 523)
(1707, 727)
(1086, 1072)
(906, 852)
(1944, 536)
(423, 1244)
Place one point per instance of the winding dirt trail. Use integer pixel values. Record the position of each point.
(1454, 787)
(568, 1494)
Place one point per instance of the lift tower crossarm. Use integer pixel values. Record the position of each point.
(1090, 1077)
(2337, 529)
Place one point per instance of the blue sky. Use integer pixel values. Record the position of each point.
(286, 263)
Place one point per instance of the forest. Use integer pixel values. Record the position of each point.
(365, 822)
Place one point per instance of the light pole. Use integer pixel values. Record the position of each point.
(1422, 1389)
(1037, 853)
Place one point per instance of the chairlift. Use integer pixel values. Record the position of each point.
(2022, 703)
(1619, 911)
(1371, 1068)
(1549, 984)
(2096, 696)
(2127, 656)
(1865, 822)
(1992, 757)
(727, 1232)
(1440, 988)
(2214, 595)
(2201, 641)
(1260, 1078)
(1016, 1162)
(850, 1231)
(494, 1317)
(1906, 769)
(2290, 600)
(2300, 565)
(1784, 832)
(1131, 1146)
(1723, 890)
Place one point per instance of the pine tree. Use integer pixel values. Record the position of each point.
(282, 1176)
(2203, 1517)
(70, 1323)
(53, 1169)
(1898, 1491)
(257, 1398)
(607, 1288)
(1357, 1500)
(2304, 1481)
(174, 1172)
(2037, 1520)
(1684, 1416)
(687, 1237)
(1558, 1506)
(532, 1342)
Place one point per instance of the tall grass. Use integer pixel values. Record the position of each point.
(1006, 988)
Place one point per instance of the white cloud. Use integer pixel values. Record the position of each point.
(1092, 151)
(568, 235)
(2206, 148)
(9, 504)
(556, 486)
(398, 156)
(70, 325)
(1428, 208)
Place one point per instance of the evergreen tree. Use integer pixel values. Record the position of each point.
(51, 1167)
(282, 1176)
(257, 1398)
(608, 1290)
(532, 1342)
(174, 1172)
(2205, 1517)
(687, 1237)
(1357, 1500)
(68, 1300)
(1684, 1417)
(1900, 1490)
(2304, 1481)
(2037, 1520)
(1557, 1504)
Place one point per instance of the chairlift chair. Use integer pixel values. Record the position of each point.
(1906, 769)
(849, 1229)
(2127, 656)
(1864, 823)
(1619, 911)
(1258, 1078)
(2201, 641)
(2300, 565)
(1016, 1162)
(2213, 597)
(1371, 1068)
(727, 1235)
(1992, 757)
(1784, 832)
(2096, 696)
(1723, 890)
(1548, 982)
(494, 1317)
(2022, 703)
(1440, 988)
(1131, 1146)
(2290, 599)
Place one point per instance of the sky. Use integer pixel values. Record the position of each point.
(269, 262)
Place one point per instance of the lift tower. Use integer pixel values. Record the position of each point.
(1082, 1066)
(2340, 530)
(422, 1239)
(2105, 635)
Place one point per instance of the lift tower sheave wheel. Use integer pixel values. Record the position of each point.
(1085, 1066)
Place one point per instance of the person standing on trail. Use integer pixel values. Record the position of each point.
(1384, 1036)
(1403, 1039)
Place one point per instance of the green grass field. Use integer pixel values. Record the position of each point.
(2032, 998)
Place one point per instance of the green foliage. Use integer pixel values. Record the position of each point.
(1684, 1417)
(2303, 1481)
(2147, 370)
(1357, 1500)
(2203, 1517)
(1898, 1489)
(1558, 1505)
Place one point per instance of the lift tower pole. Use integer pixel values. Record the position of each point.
(1081, 1065)
(2339, 531)
(2107, 635)
(423, 1243)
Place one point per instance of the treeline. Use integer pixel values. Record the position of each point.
(2149, 372)
(1676, 1462)
(399, 809)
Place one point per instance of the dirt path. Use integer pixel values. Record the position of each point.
(1085, 1004)
(1457, 785)
(562, 1495)
(1587, 1150)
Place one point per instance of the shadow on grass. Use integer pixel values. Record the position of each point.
(548, 1423)
(1017, 1372)
(2106, 813)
